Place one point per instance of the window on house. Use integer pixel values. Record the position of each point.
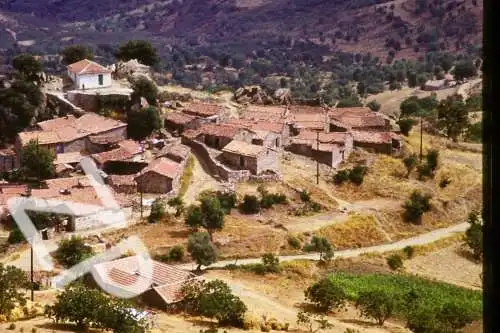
(101, 79)
(242, 161)
(277, 142)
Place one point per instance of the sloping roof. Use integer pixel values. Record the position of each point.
(332, 137)
(57, 123)
(86, 66)
(104, 139)
(180, 150)
(118, 154)
(243, 148)
(258, 125)
(122, 180)
(179, 118)
(356, 117)
(202, 109)
(372, 137)
(131, 146)
(65, 183)
(162, 166)
(43, 137)
(221, 130)
(68, 158)
(125, 274)
(95, 124)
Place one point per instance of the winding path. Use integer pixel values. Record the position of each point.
(426, 238)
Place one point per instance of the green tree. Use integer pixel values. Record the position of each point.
(321, 245)
(464, 69)
(194, 218)
(474, 103)
(141, 50)
(250, 204)
(410, 106)
(157, 211)
(12, 279)
(73, 251)
(376, 304)
(201, 249)
(16, 236)
(326, 296)
(410, 163)
(144, 87)
(432, 159)
(374, 105)
(28, 67)
(176, 253)
(357, 174)
(75, 53)
(349, 102)
(214, 299)
(314, 322)
(453, 116)
(474, 235)
(271, 263)
(395, 261)
(178, 204)
(143, 122)
(37, 162)
(416, 206)
(406, 125)
(212, 215)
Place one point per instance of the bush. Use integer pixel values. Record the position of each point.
(432, 159)
(326, 296)
(270, 199)
(16, 236)
(250, 204)
(410, 163)
(201, 249)
(341, 176)
(474, 235)
(395, 262)
(374, 105)
(178, 204)
(294, 242)
(409, 251)
(376, 304)
(405, 125)
(305, 196)
(158, 211)
(271, 263)
(321, 245)
(416, 206)
(73, 251)
(357, 174)
(444, 182)
(176, 253)
(12, 326)
(227, 200)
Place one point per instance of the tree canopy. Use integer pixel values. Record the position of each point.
(141, 50)
(143, 122)
(73, 251)
(202, 250)
(37, 161)
(75, 53)
(28, 67)
(12, 279)
(453, 116)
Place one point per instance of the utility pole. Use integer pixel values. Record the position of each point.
(317, 158)
(141, 200)
(32, 285)
(421, 137)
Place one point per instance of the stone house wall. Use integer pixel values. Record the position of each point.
(152, 182)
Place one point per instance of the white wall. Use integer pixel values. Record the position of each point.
(91, 81)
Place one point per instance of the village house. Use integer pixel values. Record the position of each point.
(357, 119)
(177, 153)
(126, 158)
(160, 176)
(217, 136)
(377, 142)
(70, 134)
(178, 121)
(122, 183)
(8, 191)
(101, 142)
(65, 163)
(269, 134)
(327, 148)
(432, 85)
(87, 74)
(164, 282)
(7, 159)
(245, 156)
(206, 112)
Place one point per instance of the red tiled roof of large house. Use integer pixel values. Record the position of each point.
(372, 137)
(316, 121)
(57, 123)
(221, 130)
(13, 189)
(66, 183)
(131, 146)
(332, 137)
(163, 166)
(179, 118)
(125, 274)
(202, 109)
(43, 137)
(94, 123)
(264, 113)
(118, 154)
(352, 111)
(68, 158)
(86, 66)
(253, 125)
(243, 148)
(307, 109)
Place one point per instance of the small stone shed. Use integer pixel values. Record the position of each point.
(160, 176)
(245, 156)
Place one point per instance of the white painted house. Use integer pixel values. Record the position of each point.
(87, 74)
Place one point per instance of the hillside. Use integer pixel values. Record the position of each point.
(408, 27)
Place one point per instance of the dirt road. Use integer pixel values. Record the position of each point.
(200, 181)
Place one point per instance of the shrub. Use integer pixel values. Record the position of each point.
(321, 245)
(176, 253)
(178, 204)
(250, 204)
(16, 236)
(410, 163)
(271, 263)
(294, 242)
(395, 262)
(357, 174)
(432, 159)
(416, 206)
(444, 182)
(73, 251)
(474, 235)
(158, 211)
(341, 176)
(409, 251)
(227, 200)
(376, 304)
(201, 249)
(374, 105)
(305, 196)
(405, 125)
(326, 296)
(12, 326)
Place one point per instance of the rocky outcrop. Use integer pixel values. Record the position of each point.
(253, 95)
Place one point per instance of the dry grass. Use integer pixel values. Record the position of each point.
(358, 231)
(318, 194)
(186, 176)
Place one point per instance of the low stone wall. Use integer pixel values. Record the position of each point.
(216, 168)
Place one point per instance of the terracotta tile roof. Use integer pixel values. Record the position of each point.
(118, 154)
(13, 189)
(68, 158)
(202, 109)
(179, 118)
(243, 148)
(221, 130)
(103, 139)
(307, 109)
(63, 167)
(96, 124)
(326, 147)
(86, 66)
(131, 146)
(162, 166)
(181, 151)
(256, 125)
(125, 274)
(352, 111)
(333, 137)
(65, 183)
(372, 137)
(43, 137)
(264, 113)
(357, 117)
(57, 124)
(122, 180)
(339, 124)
